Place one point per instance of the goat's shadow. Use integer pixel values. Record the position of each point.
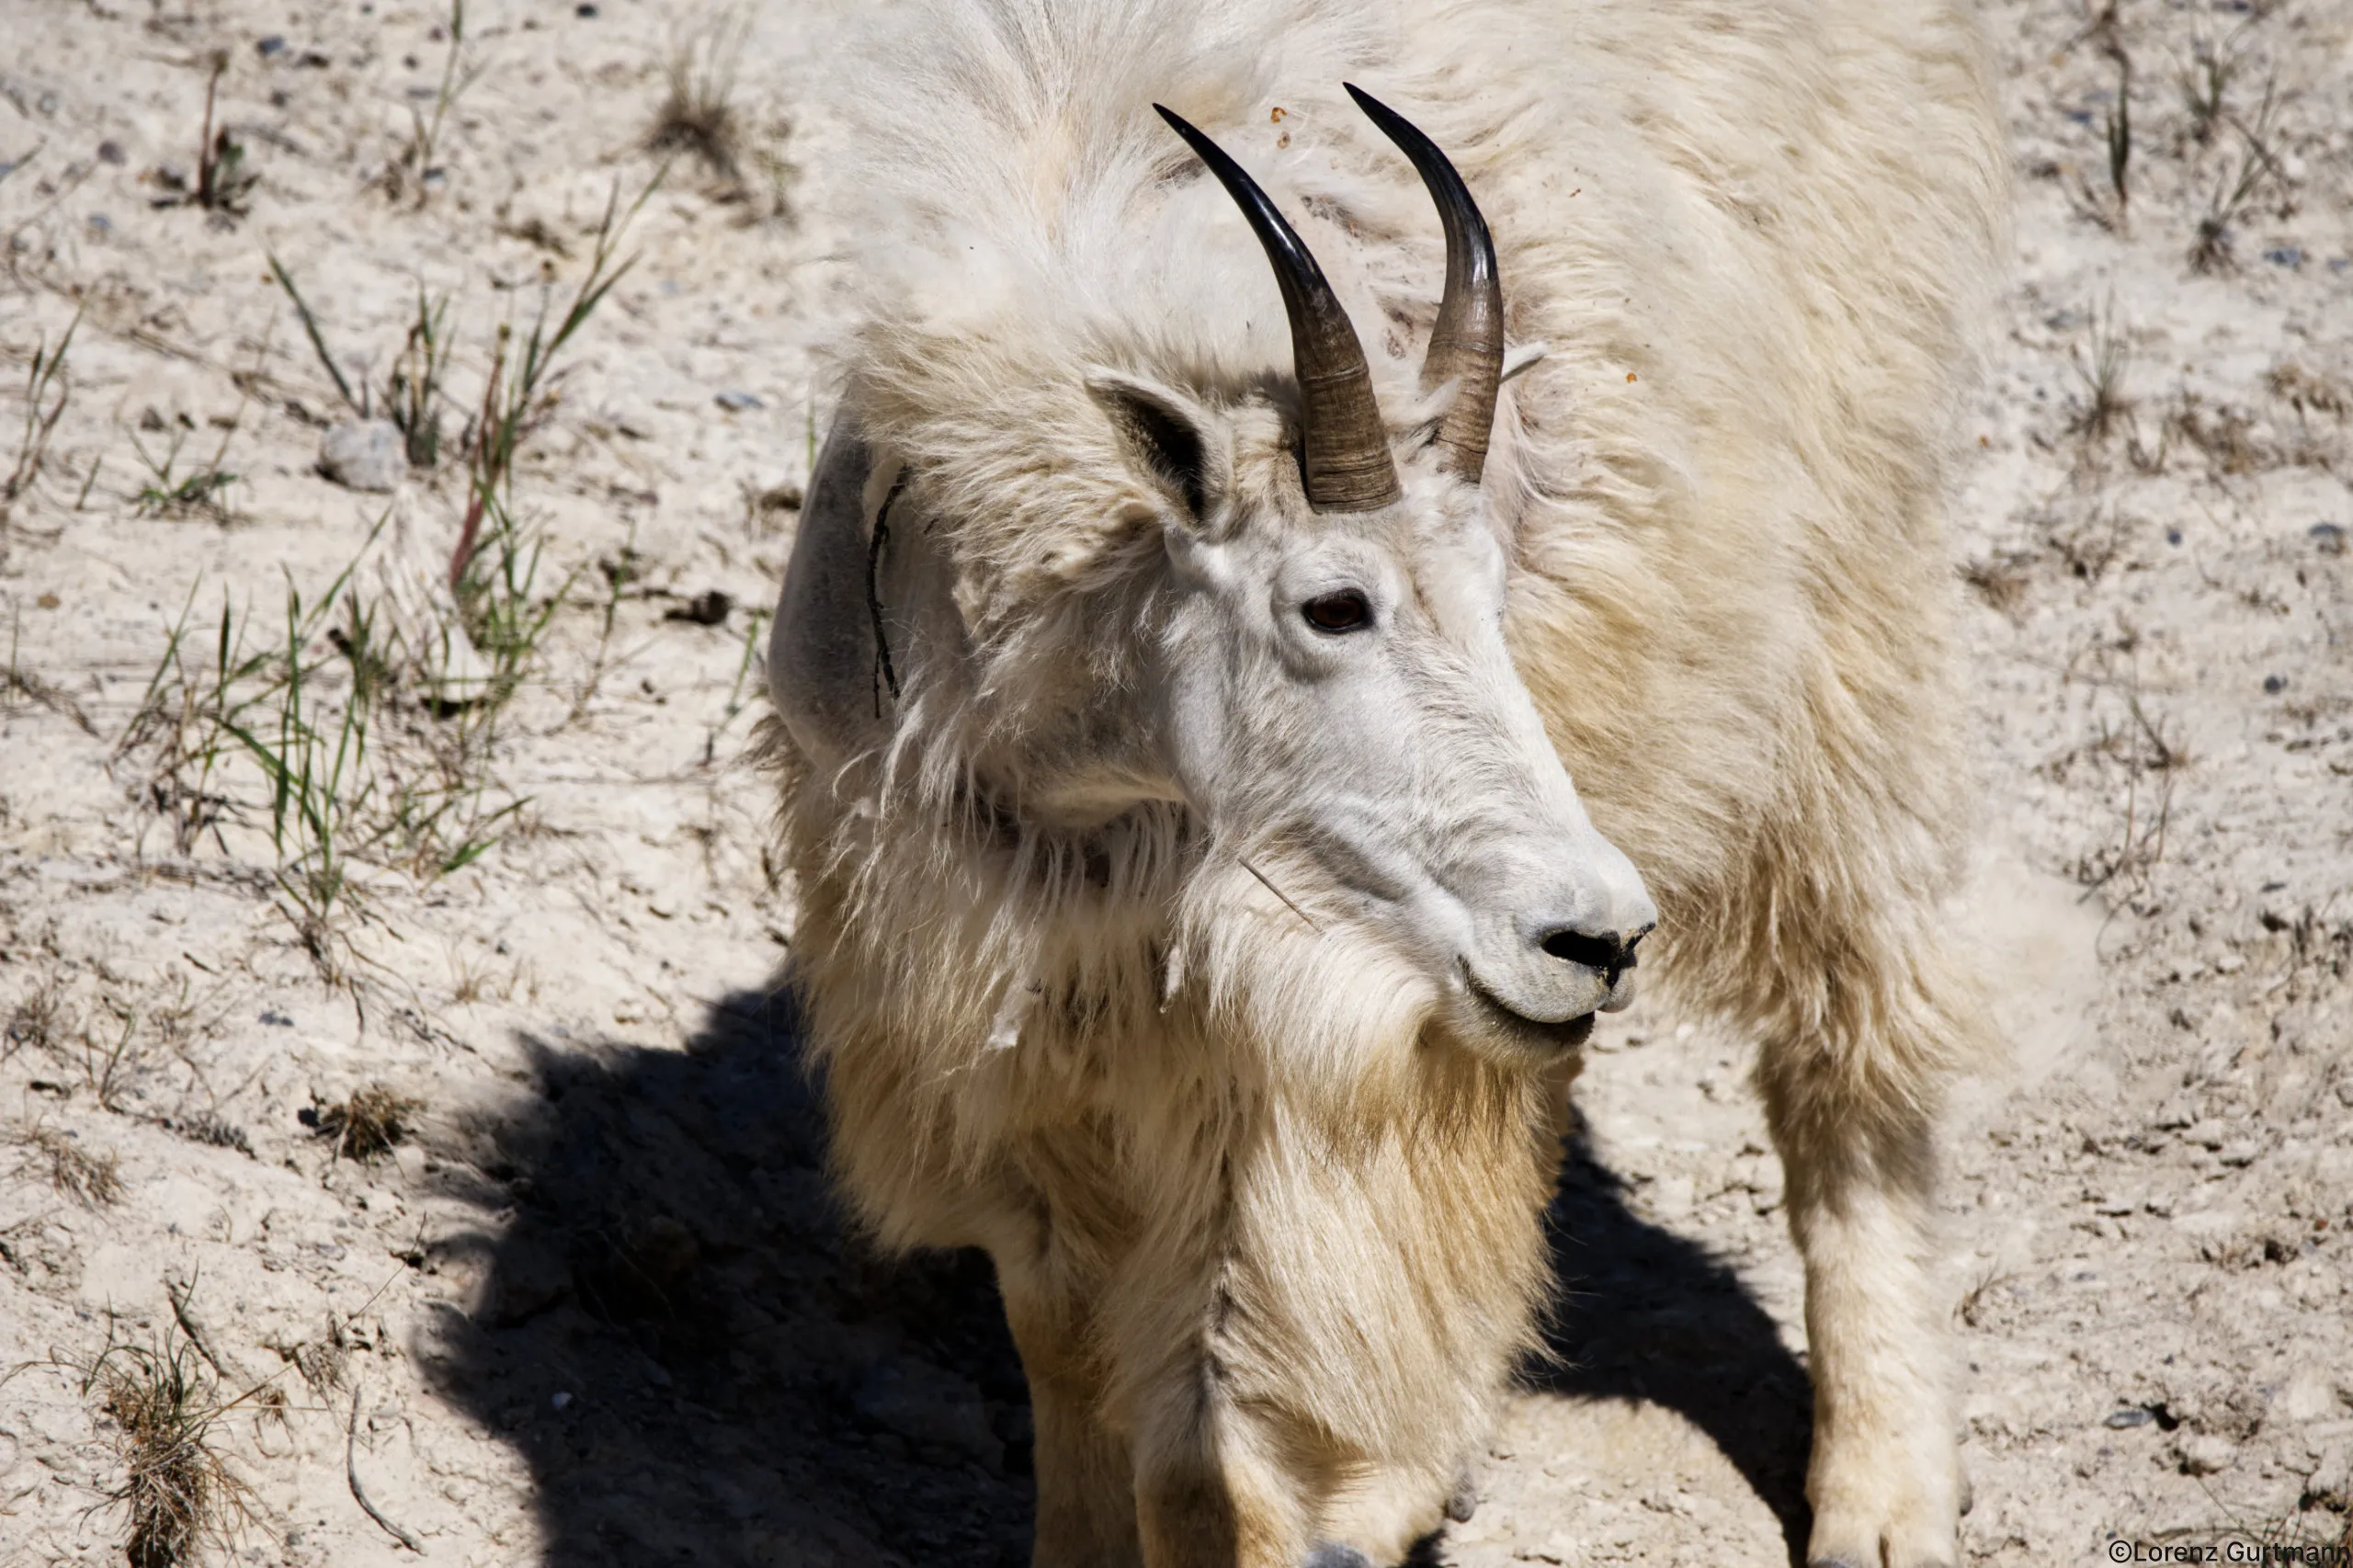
(1646, 1315)
(701, 1365)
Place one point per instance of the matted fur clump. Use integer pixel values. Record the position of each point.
(1091, 985)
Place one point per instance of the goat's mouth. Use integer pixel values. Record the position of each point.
(1543, 1037)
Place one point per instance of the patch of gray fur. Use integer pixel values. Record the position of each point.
(1330, 1554)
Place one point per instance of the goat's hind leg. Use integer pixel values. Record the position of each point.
(1853, 1106)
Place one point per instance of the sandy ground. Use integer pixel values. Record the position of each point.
(593, 1308)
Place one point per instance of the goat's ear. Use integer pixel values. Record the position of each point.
(1174, 443)
(824, 670)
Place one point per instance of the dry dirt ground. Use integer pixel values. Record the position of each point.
(589, 1306)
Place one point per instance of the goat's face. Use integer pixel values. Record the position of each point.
(1313, 661)
(1335, 701)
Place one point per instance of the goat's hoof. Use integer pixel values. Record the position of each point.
(1463, 1501)
(1888, 1526)
(1331, 1555)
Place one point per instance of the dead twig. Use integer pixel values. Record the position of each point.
(183, 1297)
(1279, 894)
(95, 1181)
(359, 1493)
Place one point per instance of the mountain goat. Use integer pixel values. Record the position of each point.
(1211, 585)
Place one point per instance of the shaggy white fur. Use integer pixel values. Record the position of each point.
(1165, 949)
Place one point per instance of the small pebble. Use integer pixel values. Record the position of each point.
(100, 224)
(737, 401)
(558, 1399)
(2133, 1415)
(273, 44)
(365, 454)
(2173, 536)
(584, 10)
(2205, 1454)
(2285, 255)
(2275, 685)
(111, 151)
(2330, 536)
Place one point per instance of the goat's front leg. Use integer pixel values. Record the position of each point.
(1209, 1492)
(1087, 1501)
(1859, 1155)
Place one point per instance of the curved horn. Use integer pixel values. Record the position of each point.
(1345, 458)
(1468, 341)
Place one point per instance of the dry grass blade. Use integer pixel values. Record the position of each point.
(2000, 580)
(171, 492)
(318, 340)
(223, 181)
(2141, 848)
(1972, 1307)
(419, 162)
(373, 1122)
(2118, 134)
(2239, 188)
(518, 394)
(2206, 82)
(47, 389)
(178, 1491)
(16, 682)
(182, 1293)
(40, 1021)
(698, 117)
(320, 1362)
(91, 1180)
(2101, 370)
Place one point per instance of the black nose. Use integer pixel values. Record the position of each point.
(1607, 953)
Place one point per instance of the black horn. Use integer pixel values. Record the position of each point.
(1468, 341)
(1343, 457)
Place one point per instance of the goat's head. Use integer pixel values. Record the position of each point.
(1321, 676)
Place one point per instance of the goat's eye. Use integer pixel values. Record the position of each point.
(1347, 610)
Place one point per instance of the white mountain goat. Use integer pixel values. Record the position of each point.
(1183, 660)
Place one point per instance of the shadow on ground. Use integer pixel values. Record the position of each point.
(1645, 1314)
(701, 1366)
